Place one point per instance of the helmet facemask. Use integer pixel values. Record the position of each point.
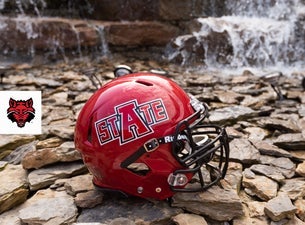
(194, 146)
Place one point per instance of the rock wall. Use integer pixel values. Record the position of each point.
(58, 37)
(57, 29)
(130, 10)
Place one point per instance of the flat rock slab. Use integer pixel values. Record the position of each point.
(131, 208)
(48, 175)
(216, 203)
(48, 206)
(279, 208)
(13, 186)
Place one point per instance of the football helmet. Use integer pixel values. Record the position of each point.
(143, 135)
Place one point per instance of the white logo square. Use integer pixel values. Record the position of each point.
(20, 112)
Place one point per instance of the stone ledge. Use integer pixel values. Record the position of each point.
(25, 34)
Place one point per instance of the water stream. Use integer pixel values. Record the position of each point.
(263, 34)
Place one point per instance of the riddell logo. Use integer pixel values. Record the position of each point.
(131, 121)
(20, 111)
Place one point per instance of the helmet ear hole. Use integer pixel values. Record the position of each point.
(139, 168)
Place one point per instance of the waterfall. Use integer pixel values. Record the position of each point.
(21, 5)
(262, 33)
(25, 16)
(104, 49)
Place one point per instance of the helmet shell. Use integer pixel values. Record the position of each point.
(119, 119)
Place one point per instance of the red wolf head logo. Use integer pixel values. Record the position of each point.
(21, 111)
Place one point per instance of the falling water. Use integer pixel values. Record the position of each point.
(26, 13)
(262, 33)
(21, 6)
(104, 49)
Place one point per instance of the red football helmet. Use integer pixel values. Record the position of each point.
(142, 135)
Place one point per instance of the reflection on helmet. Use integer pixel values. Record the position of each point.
(141, 134)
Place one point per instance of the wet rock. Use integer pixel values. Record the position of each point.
(46, 156)
(296, 94)
(57, 113)
(284, 126)
(300, 205)
(79, 85)
(5, 153)
(69, 75)
(119, 10)
(65, 129)
(13, 187)
(183, 10)
(218, 42)
(111, 223)
(48, 207)
(301, 169)
(205, 80)
(243, 151)
(256, 133)
(285, 165)
(11, 142)
(298, 155)
(57, 99)
(260, 186)
(72, 181)
(234, 133)
(291, 141)
(189, 219)
(294, 188)
(266, 148)
(82, 98)
(216, 203)
(16, 156)
(256, 209)
(233, 177)
(190, 51)
(231, 114)
(46, 176)
(123, 221)
(44, 82)
(256, 102)
(140, 33)
(10, 217)
(44, 30)
(3, 165)
(268, 171)
(49, 143)
(279, 208)
(78, 184)
(49, 34)
(132, 208)
(243, 83)
(254, 214)
(89, 199)
(301, 110)
(229, 97)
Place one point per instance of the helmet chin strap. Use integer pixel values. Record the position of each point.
(150, 146)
